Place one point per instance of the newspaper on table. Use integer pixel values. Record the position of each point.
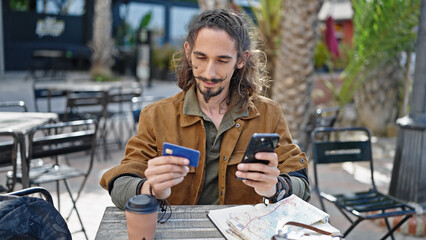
(263, 221)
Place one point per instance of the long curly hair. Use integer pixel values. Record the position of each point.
(247, 81)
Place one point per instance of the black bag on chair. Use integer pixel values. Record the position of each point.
(30, 218)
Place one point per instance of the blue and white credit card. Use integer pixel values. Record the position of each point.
(179, 151)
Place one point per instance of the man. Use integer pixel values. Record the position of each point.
(217, 112)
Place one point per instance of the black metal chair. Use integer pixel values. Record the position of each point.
(13, 105)
(118, 109)
(137, 104)
(33, 190)
(8, 157)
(64, 138)
(49, 63)
(43, 98)
(322, 117)
(89, 105)
(86, 105)
(353, 144)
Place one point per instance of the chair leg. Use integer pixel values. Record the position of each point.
(391, 231)
(345, 214)
(103, 138)
(58, 194)
(78, 194)
(389, 228)
(354, 224)
(11, 182)
(75, 208)
(115, 129)
(320, 199)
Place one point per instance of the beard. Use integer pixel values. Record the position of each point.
(208, 93)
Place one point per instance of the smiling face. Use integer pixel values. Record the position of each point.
(214, 60)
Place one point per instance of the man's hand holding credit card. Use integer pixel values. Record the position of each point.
(175, 150)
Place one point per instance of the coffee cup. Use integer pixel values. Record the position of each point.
(141, 216)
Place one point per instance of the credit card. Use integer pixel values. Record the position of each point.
(179, 151)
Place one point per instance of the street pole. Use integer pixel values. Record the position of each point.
(408, 180)
(1, 41)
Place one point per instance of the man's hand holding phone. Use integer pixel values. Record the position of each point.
(259, 167)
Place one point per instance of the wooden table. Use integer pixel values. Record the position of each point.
(22, 124)
(186, 222)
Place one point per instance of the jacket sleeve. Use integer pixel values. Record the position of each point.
(125, 187)
(292, 161)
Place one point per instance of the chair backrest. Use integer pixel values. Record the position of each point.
(125, 93)
(11, 105)
(322, 117)
(79, 103)
(119, 99)
(139, 102)
(49, 63)
(346, 144)
(326, 117)
(136, 108)
(64, 138)
(31, 190)
(41, 93)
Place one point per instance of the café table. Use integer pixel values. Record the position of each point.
(86, 85)
(23, 124)
(186, 222)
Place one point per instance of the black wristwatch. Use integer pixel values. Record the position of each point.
(283, 190)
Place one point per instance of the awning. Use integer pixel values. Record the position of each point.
(337, 9)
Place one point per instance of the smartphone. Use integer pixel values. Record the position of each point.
(260, 142)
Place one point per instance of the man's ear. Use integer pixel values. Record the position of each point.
(187, 51)
(242, 60)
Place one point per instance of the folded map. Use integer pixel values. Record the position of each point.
(263, 221)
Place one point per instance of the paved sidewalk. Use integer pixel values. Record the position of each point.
(94, 199)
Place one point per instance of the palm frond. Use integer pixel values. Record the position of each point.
(383, 29)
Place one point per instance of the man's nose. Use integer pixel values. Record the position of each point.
(210, 71)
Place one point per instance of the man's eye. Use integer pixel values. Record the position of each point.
(200, 58)
(223, 61)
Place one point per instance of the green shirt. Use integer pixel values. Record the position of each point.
(210, 194)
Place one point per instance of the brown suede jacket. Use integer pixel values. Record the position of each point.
(164, 121)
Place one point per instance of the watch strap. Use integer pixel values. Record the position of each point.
(287, 181)
(282, 190)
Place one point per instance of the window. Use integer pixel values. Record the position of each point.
(132, 13)
(64, 7)
(22, 5)
(179, 20)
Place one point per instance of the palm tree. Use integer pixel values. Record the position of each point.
(268, 18)
(377, 98)
(294, 66)
(102, 43)
(383, 30)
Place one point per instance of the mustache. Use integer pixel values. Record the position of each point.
(213, 80)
